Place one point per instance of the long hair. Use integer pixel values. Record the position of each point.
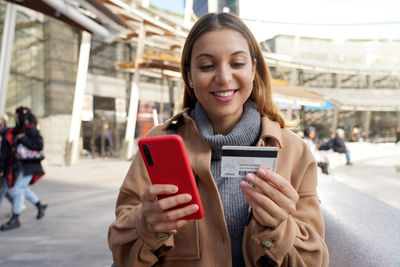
(26, 119)
(262, 91)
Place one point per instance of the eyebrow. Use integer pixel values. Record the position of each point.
(233, 54)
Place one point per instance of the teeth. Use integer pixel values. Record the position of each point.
(224, 94)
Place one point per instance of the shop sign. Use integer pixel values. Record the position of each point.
(87, 108)
(120, 109)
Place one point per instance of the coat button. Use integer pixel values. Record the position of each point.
(162, 236)
(267, 244)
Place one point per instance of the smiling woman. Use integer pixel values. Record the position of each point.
(221, 74)
(271, 218)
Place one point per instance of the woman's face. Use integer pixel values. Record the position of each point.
(222, 74)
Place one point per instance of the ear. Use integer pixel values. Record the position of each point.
(189, 78)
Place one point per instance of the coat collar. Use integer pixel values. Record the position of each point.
(271, 132)
(199, 151)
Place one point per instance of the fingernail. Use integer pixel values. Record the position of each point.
(244, 185)
(174, 189)
(251, 176)
(194, 207)
(262, 171)
(188, 197)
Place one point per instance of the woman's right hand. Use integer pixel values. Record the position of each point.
(155, 213)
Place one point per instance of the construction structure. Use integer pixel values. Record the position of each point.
(360, 76)
(100, 73)
(62, 61)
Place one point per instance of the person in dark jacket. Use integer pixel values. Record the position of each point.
(339, 146)
(22, 173)
(3, 161)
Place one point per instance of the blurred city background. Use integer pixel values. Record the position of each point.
(99, 74)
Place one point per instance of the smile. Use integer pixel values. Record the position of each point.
(224, 93)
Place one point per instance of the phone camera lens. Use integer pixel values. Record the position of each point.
(147, 155)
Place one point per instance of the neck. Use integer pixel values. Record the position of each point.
(224, 125)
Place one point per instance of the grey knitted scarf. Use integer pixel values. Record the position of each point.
(245, 133)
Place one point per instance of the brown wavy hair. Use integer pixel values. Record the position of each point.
(262, 91)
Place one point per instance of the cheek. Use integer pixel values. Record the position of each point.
(199, 93)
(248, 81)
(201, 80)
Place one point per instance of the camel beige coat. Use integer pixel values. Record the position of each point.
(298, 241)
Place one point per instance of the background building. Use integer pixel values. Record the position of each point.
(43, 76)
(360, 76)
(359, 79)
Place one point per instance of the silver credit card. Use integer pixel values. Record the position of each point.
(237, 161)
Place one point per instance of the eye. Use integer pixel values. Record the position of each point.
(206, 67)
(238, 64)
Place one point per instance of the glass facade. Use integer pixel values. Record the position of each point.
(103, 57)
(26, 80)
(233, 6)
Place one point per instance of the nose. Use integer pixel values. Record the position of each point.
(223, 74)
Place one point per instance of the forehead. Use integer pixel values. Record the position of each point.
(220, 40)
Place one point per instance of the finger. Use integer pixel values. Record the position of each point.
(259, 201)
(279, 182)
(170, 227)
(171, 215)
(262, 216)
(170, 202)
(158, 189)
(176, 214)
(271, 192)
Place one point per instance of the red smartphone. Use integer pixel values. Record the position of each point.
(167, 163)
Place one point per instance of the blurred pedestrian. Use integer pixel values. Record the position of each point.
(328, 144)
(3, 158)
(310, 134)
(339, 146)
(398, 135)
(23, 172)
(270, 218)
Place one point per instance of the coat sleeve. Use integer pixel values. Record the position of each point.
(32, 139)
(297, 241)
(4, 154)
(130, 242)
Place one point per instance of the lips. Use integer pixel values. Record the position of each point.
(225, 95)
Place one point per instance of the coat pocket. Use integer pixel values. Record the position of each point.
(186, 243)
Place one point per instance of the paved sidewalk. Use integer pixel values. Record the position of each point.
(82, 199)
(374, 170)
(73, 232)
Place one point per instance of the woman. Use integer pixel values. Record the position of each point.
(227, 101)
(22, 173)
(3, 158)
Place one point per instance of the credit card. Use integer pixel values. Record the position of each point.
(237, 161)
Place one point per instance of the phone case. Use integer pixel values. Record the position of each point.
(167, 163)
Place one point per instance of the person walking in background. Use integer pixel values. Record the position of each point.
(339, 146)
(328, 144)
(3, 158)
(22, 173)
(310, 134)
(271, 218)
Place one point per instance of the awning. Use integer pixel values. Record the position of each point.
(112, 19)
(288, 94)
(46, 9)
(363, 99)
(156, 60)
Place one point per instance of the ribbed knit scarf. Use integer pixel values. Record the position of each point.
(245, 133)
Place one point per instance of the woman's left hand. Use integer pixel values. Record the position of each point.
(273, 199)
